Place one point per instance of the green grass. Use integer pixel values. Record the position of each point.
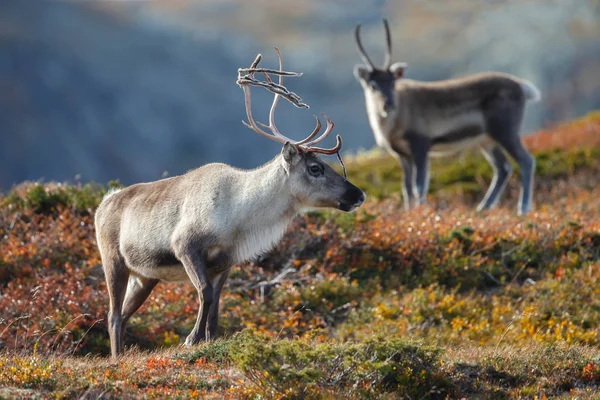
(380, 175)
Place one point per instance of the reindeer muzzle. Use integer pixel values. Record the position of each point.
(352, 199)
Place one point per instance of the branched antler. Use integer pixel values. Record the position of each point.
(271, 86)
(246, 79)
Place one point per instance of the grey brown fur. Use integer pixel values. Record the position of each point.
(194, 227)
(413, 119)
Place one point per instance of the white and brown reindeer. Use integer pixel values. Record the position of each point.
(194, 227)
(412, 119)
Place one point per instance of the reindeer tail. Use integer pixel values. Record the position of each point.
(532, 93)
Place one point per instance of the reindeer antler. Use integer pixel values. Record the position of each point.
(388, 52)
(246, 79)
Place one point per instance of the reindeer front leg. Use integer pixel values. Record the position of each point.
(213, 313)
(190, 257)
(408, 183)
(408, 170)
(419, 146)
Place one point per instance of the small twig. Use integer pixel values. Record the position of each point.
(35, 345)
(12, 322)
(86, 332)
(504, 334)
(493, 278)
(62, 330)
(13, 222)
(342, 307)
(102, 394)
(518, 273)
(290, 317)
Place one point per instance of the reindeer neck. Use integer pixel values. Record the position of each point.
(268, 208)
(383, 126)
(266, 191)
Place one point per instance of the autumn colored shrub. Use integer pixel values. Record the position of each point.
(487, 304)
(26, 372)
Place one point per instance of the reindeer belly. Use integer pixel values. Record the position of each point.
(171, 273)
(448, 149)
(154, 263)
(457, 135)
(163, 265)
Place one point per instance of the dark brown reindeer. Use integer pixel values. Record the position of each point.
(412, 119)
(194, 227)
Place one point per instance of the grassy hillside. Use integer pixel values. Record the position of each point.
(441, 302)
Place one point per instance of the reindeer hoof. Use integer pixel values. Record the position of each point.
(193, 340)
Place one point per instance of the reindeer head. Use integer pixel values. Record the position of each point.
(312, 182)
(379, 82)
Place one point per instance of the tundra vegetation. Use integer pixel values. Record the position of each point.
(438, 302)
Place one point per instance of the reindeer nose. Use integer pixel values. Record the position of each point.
(353, 198)
(361, 200)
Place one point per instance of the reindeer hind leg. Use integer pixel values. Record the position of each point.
(504, 124)
(138, 290)
(502, 172)
(117, 275)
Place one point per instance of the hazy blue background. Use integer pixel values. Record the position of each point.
(128, 90)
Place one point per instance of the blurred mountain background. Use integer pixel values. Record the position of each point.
(100, 90)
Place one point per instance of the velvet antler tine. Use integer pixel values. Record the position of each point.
(333, 150)
(326, 133)
(276, 98)
(313, 134)
(251, 123)
(361, 50)
(388, 37)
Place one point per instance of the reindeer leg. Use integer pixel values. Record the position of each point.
(502, 172)
(419, 146)
(116, 274)
(408, 183)
(213, 312)
(504, 124)
(197, 272)
(138, 290)
(526, 164)
(422, 166)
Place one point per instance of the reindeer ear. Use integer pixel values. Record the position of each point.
(361, 72)
(398, 69)
(289, 151)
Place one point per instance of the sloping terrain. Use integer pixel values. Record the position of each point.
(439, 302)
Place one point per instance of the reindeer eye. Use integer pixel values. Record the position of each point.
(315, 170)
(373, 84)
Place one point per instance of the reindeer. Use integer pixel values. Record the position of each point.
(194, 227)
(411, 119)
